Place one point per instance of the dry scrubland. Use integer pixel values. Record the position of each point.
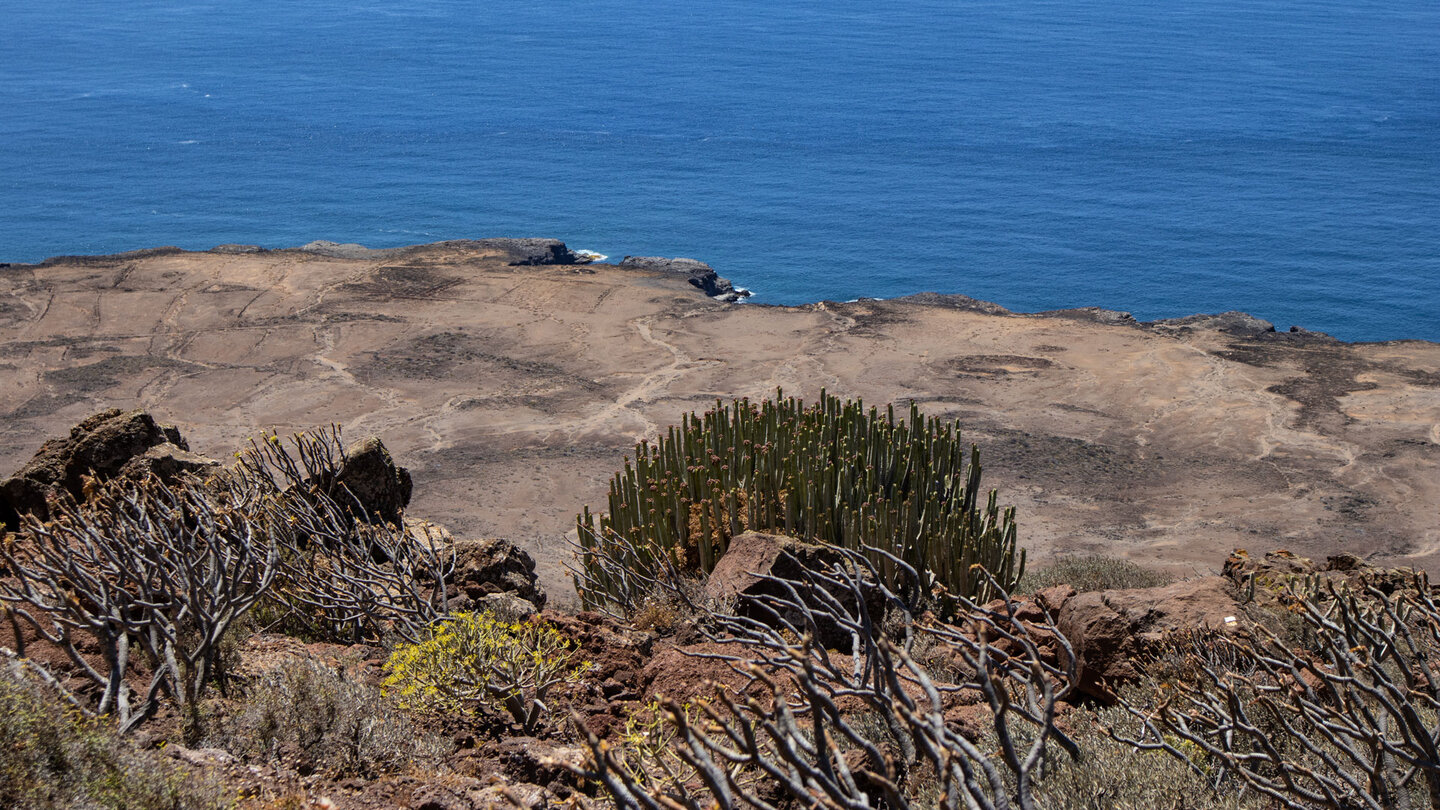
(310, 670)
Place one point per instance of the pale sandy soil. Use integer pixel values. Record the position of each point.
(514, 392)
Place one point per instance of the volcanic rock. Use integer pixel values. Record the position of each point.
(504, 606)
(702, 275)
(495, 566)
(525, 252)
(1266, 577)
(740, 574)
(103, 446)
(1110, 629)
(1241, 324)
(381, 488)
(169, 462)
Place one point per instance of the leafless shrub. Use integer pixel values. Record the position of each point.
(1352, 723)
(164, 570)
(340, 578)
(1109, 775)
(809, 724)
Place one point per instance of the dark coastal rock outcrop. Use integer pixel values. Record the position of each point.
(108, 445)
(490, 567)
(346, 250)
(112, 258)
(701, 275)
(954, 301)
(524, 252)
(1091, 314)
(1240, 324)
(520, 252)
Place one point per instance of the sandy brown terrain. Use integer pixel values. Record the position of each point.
(512, 392)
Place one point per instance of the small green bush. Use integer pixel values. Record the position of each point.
(472, 660)
(51, 758)
(1093, 572)
(322, 721)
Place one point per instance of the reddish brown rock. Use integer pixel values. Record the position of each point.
(739, 577)
(1266, 577)
(1054, 597)
(614, 651)
(540, 762)
(688, 673)
(1109, 629)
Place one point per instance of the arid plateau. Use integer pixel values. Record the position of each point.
(514, 391)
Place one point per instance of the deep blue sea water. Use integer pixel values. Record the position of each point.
(1276, 156)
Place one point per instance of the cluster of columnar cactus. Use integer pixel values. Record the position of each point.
(830, 472)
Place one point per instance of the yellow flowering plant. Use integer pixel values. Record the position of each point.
(471, 660)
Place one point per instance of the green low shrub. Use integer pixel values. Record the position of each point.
(1093, 572)
(472, 660)
(52, 758)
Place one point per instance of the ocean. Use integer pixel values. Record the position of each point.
(1275, 156)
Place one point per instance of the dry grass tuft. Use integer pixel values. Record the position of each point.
(1093, 572)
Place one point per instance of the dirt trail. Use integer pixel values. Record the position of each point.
(514, 391)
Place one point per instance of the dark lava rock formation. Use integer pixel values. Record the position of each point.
(701, 275)
(108, 445)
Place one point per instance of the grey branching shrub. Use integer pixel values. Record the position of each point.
(162, 573)
(139, 569)
(54, 758)
(321, 720)
(1353, 722)
(831, 472)
(340, 578)
(865, 728)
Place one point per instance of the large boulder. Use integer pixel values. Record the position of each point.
(168, 462)
(1266, 578)
(111, 444)
(1109, 630)
(493, 566)
(374, 482)
(740, 576)
(1241, 324)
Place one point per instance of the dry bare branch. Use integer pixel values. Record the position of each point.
(1354, 721)
(795, 729)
